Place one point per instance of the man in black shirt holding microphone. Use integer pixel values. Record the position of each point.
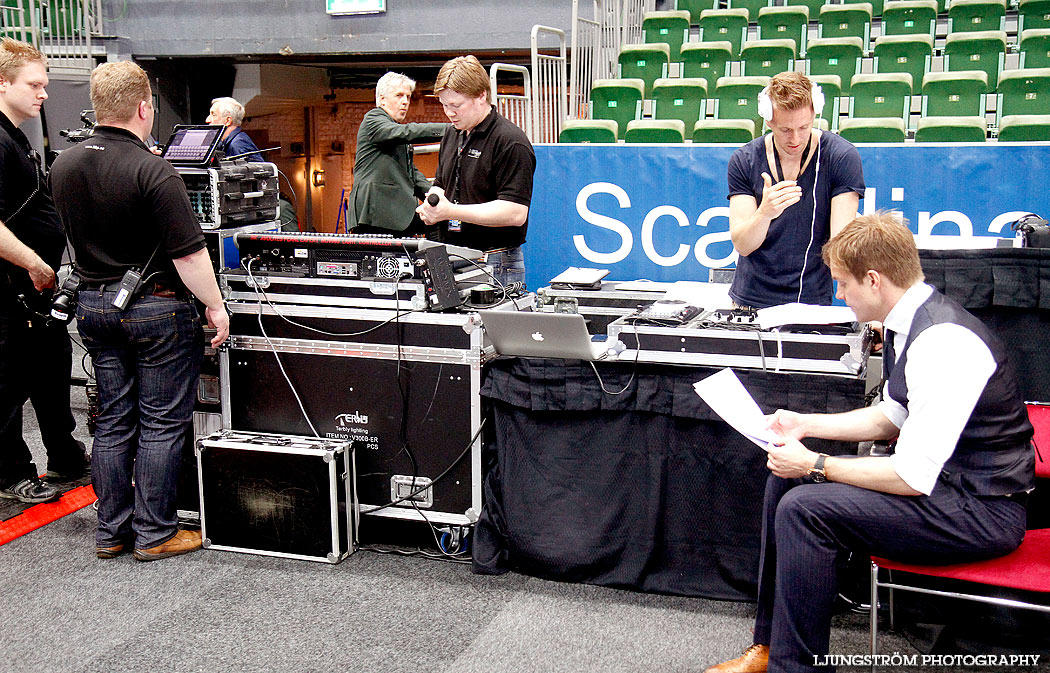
(483, 186)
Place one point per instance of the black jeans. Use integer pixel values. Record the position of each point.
(35, 364)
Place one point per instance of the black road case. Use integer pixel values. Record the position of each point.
(278, 495)
(402, 387)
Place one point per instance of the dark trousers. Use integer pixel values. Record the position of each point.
(147, 363)
(35, 364)
(807, 527)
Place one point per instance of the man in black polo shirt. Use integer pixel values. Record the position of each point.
(35, 353)
(484, 176)
(126, 209)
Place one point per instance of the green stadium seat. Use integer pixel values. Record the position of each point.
(1035, 48)
(729, 25)
(954, 94)
(1024, 128)
(839, 56)
(1024, 92)
(588, 131)
(904, 53)
(812, 5)
(767, 57)
(780, 23)
(951, 130)
(852, 20)
(694, 7)
(680, 98)
(670, 27)
(737, 98)
(880, 95)
(647, 62)
(17, 25)
(909, 17)
(709, 60)
(873, 130)
(876, 6)
(970, 16)
(736, 131)
(831, 86)
(617, 99)
(976, 51)
(1033, 14)
(655, 131)
(752, 7)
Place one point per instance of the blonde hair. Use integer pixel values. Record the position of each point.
(791, 91)
(465, 75)
(117, 88)
(15, 54)
(230, 106)
(881, 242)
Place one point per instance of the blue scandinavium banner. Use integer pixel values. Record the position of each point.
(661, 212)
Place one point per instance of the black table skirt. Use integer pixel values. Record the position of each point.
(647, 490)
(1009, 289)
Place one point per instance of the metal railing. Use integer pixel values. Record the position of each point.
(550, 87)
(596, 42)
(61, 29)
(514, 106)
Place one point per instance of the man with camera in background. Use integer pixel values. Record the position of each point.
(141, 256)
(36, 357)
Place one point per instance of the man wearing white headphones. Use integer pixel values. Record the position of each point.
(789, 192)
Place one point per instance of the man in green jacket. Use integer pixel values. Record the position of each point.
(387, 185)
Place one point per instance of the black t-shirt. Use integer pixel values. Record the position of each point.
(26, 207)
(791, 251)
(119, 200)
(494, 161)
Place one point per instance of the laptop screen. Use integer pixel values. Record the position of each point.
(192, 145)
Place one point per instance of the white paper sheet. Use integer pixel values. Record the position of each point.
(724, 393)
(804, 314)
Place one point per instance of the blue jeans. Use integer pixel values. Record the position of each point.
(147, 362)
(508, 266)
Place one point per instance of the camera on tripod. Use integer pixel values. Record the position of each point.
(64, 301)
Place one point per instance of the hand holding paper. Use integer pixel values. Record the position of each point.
(724, 393)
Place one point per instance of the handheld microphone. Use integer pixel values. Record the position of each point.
(433, 199)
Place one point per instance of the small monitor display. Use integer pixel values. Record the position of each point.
(192, 145)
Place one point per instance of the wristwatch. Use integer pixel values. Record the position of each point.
(816, 473)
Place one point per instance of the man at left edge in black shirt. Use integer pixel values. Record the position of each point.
(35, 353)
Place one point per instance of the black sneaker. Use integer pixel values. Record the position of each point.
(63, 473)
(31, 491)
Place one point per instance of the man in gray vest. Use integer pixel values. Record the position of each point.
(387, 184)
(954, 489)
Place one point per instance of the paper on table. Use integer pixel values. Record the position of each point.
(724, 393)
(804, 314)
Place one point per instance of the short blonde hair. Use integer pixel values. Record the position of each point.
(881, 242)
(791, 91)
(465, 75)
(117, 88)
(230, 106)
(15, 54)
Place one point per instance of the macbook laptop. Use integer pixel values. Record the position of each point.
(542, 335)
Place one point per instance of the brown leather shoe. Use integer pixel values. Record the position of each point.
(754, 660)
(110, 552)
(184, 542)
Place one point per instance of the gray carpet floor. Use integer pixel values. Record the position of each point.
(65, 610)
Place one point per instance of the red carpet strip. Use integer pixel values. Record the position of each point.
(43, 514)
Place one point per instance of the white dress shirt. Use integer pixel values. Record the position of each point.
(947, 369)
